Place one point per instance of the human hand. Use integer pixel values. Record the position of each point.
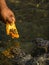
(7, 15)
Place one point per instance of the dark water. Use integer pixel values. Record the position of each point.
(32, 18)
(32, 21)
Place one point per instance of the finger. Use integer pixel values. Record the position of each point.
(10, 19)
(13, 19)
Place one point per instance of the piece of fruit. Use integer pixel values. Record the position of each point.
(12, 30)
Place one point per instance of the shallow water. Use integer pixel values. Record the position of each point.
(32, 21)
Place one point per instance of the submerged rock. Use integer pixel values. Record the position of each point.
(38, 56)
(20, 57)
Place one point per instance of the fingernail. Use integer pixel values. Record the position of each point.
(13, 19)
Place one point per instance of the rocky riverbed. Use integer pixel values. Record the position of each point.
(32, 20)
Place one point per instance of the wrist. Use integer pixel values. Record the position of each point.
(2, 4)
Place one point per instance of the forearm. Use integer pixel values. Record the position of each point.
(2, 4)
